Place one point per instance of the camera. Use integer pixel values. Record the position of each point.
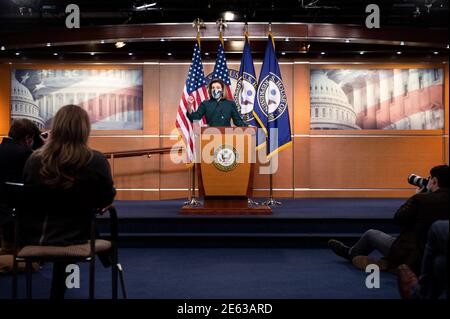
(418, 181)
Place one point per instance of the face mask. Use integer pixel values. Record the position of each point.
(216, 94)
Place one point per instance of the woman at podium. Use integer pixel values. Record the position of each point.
(218, 110)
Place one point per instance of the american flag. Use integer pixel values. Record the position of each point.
(195, 86)
(221, 70)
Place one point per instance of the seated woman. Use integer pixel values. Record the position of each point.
(64, 181)
(218, 110)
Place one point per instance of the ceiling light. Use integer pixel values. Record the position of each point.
(402, 43)
(287, 39)
(2, 48)
(92, 53)
(145, 6)
(102, 41)
(436, 52)
(17, 53)
(49, 44)
(323, 53)
(130, 53)
(55, 54)
(347, 40)
(162, 40)
(229, 16)
(169, 53)
(120, 44)
(206, 53)
(399, 52)
(283, 53)
(362, 52)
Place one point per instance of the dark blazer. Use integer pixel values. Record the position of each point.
(13, 157)
(217, 113)
(62, 217)
(12, 161)
(415, 218)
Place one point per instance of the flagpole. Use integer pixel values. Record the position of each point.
(250, 201)
(192, 199)
(271, 201)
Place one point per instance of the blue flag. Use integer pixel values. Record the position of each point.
(246, 86)
(271, 107)
(245, 92)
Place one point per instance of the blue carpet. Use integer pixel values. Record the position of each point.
(342, 208)
(212, 273)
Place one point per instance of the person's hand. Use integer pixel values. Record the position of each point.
(45, 136)
(420, 190)
(190, 101)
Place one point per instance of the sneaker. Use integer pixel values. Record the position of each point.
(407, 281)
(361, 262)
(339, 248)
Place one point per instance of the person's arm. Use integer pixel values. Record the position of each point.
(237, 119)
(407, 213)
(197, 115)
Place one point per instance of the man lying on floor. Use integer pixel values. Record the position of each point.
(414, 217)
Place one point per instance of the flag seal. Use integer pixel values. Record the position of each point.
(272, 97)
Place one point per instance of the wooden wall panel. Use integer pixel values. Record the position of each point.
(135, 174)
(5, 92)
(446, 98)
(302, 162)
(301, 98)
(371, 162)
(174, 178)
(172, 79)
(318, 164)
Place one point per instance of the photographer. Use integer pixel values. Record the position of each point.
(415, 217)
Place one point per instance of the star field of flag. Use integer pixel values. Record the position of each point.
(196, 77)
(221, 69)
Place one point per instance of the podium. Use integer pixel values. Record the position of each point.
(225, 162)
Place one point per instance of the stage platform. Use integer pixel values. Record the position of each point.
(300, 218)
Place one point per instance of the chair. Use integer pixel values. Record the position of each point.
(68, 254)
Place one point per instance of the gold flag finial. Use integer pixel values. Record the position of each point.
(222, 25)
(198, 24)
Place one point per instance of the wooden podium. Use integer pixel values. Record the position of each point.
(225, 172)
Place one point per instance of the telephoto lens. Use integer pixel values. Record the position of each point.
(418, 181)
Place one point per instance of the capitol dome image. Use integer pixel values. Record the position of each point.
(330, 108)
(23, 104)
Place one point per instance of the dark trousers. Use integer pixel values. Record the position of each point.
(58, 288)
(433, 280)
(372, 240)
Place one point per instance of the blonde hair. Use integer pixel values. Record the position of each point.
(67, 151)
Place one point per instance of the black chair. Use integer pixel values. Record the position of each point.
(67, 254)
